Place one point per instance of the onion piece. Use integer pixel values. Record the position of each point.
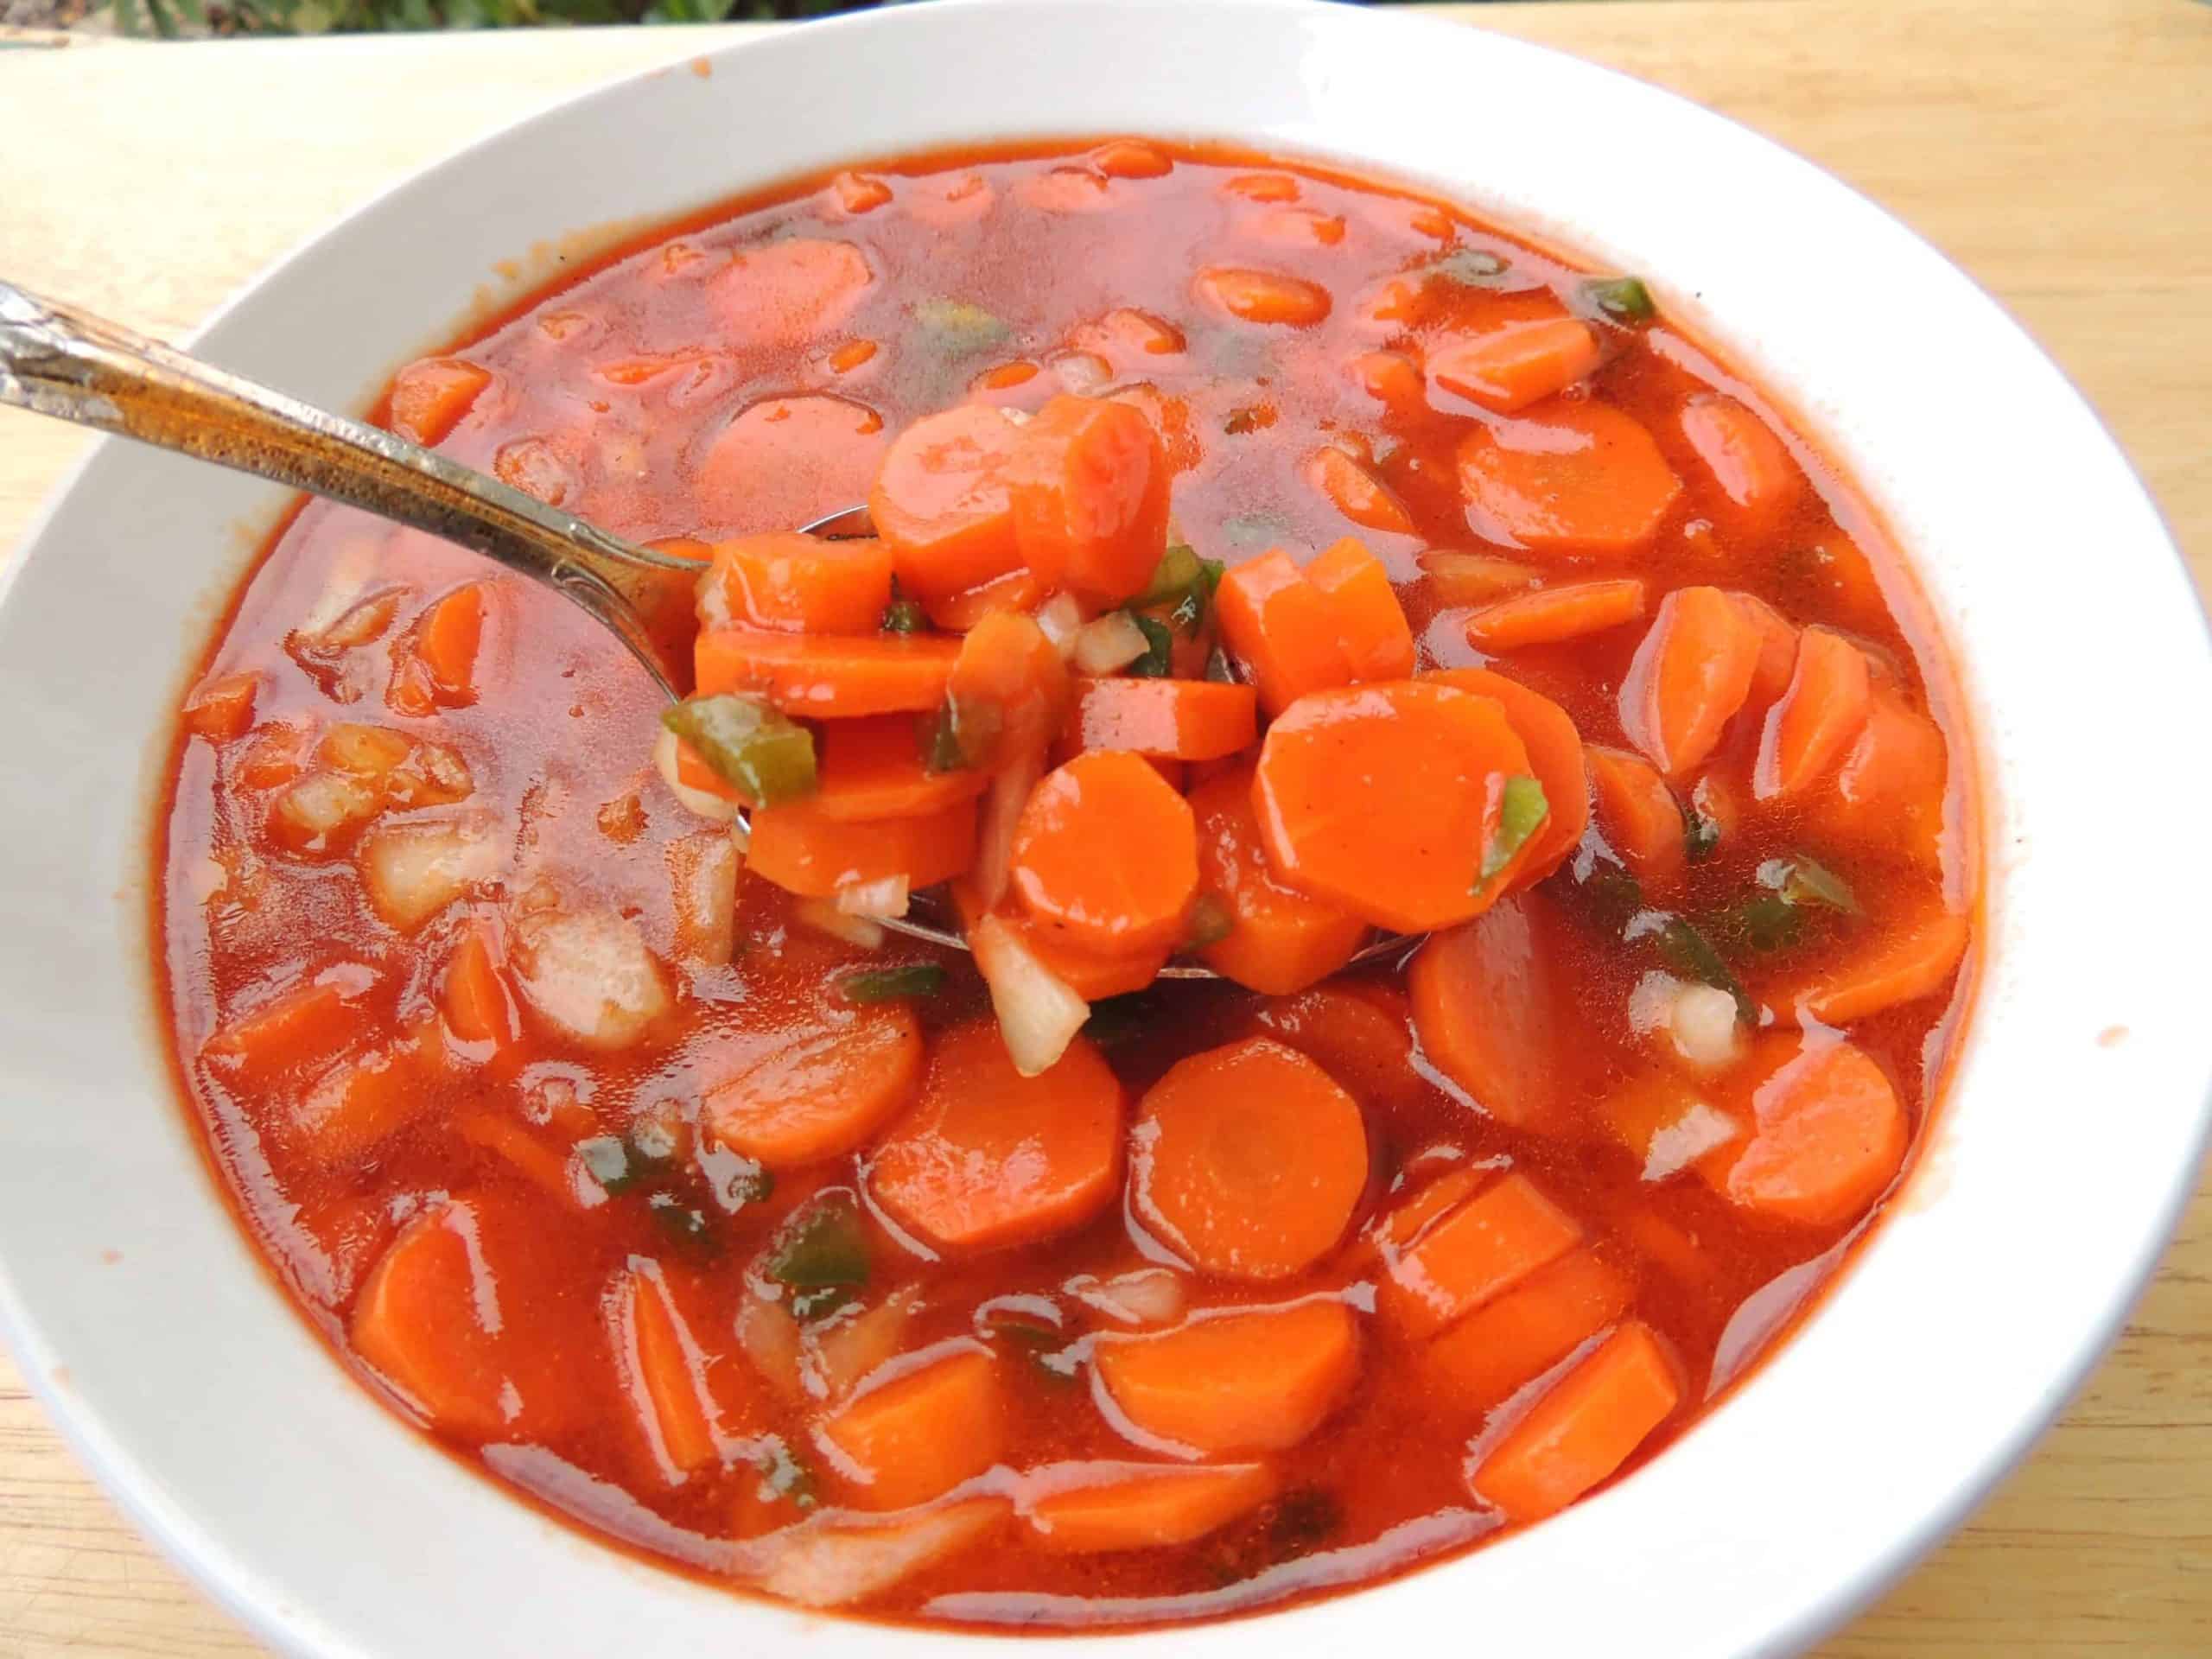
(589, 973)
(1699, 1131)
(823, 916)
(413, 870)
(703, 868)
(1112, 641)
(824, 1564)
(716, 809)
(1704, 1026)
(1060, 619)
(887, 897)
(1039, 1012)
(1001, 816)
(1147, 1296)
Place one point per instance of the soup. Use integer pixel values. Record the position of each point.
(1275, 573)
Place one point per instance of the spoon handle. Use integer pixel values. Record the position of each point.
(59, 361)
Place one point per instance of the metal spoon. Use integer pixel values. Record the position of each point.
(59, 361)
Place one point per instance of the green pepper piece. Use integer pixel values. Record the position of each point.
(904, 615)
(684, 1224)
(1802, 881)
(1171, 577)
(958, 327)
(1473, 267)
(1520, 815)
(1218, 668)
(767, 757)
(826, 1250)
(957, 735)
(1211, 921)
(783, 1476)
(1190, 611)
(608, 1161)
(886, 984)
(1158, 659)
(1700, 836)
(1685, 949)
(1625, 299)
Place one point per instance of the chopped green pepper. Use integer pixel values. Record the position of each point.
(767, 757)
(682, 1223)
(783, 1477)
(1625, 299)
(1211, 921)
(1520, 815)
(958, 735)
(1700, 836)
(1158, 659)
(1474, 267)
(1685, 949)
(1171, 577)
(1254, 529)
(825, 1250)
(959, 326)
(886, 984)
(1802, 881)
(904, 615)
(1219, 669)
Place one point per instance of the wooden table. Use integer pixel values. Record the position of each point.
(2062, 152)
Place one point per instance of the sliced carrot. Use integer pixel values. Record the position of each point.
(448, 1316)
(1578, 478)
(871, 769)
(804, 850)
(917, 1432)
(1247, 1161)
(1129, 158)
(1476, 578)
(1392, 379)
(1067, 190)
(1555, 755)
(1756, 481)
(693, 772)
(1226, 1384)
(479, 1006)
(1009, 692)
(1828, 1134)
(1017, 590)
(1179, 720)
(1688, 677)
(1777, 652)
(1480, 1250)
(986, 1157)
(1888, 793)
(1356, 493)
(524, 1152)
(1818, 717)
(1509, 367)
(430, 397)
(1381, 799)
(1370, 623)
(1091, 974)
(826, 676)
(852, 355)
(1108, 854)
(941, 502)
(434, 667)
(817, 1085)
(1584, 1429)
(788, 460)
(1356, 1030)
(1279, 940)
(1397, 1229)
(1490, 1010)
(1088, 485)
(1263, 296)
(1126, 337)
(222, 708)
(1904, 963)
(1525, 1332)
(1552, 614)
(786, 293)
(294, 1028)
(1145, 1508)
(859, 193)
(663, 1372)
(1262, 187)
(1282, 628)
(780, 579)
(1297, 227)
(365, 1098)
(1638, 815)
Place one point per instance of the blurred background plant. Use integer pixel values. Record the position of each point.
(190, 18)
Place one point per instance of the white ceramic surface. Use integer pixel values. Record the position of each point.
(203, 1403)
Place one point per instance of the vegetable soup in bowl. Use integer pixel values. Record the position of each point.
(1498, 1046)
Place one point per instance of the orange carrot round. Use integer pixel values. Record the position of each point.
(941, 503)
(1263, 296)
(1089, 485)
(1555, 755)
(1282, 628)
(804, 850)
(1356, 493)
(1755, 482)
(827, 677)
(1530, 1329)
(787, 460)
(1552, 614)
(1818, 717)
(919, 1429)
(1358, 1030)
(986, 1157)
(871, 769)
(1909, 960)
(1107, 852)
(1179, 720)
(430, 397)
(780, 579)
(1638, 814)
(1009, 691)
(1491, 1013)
(1578, 478)
(1279, 940)
(1584, 1429)
(1247, 1161)
(1688, 677)
(1383, 799)
(1227, 1383)
(1090, 1508)
(1471, 1254)
(1369, 622)
(806, 1091)
(1510, 367)
(1828, 1134)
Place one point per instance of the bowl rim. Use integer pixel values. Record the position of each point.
(122, 1471)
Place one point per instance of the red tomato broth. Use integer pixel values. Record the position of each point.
(590, 818)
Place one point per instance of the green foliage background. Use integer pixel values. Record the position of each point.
(174, 18)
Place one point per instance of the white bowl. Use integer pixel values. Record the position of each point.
(2074, 1119)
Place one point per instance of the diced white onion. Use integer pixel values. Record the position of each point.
(1109, 642)
(1147, 1296)
(1651, 1004)
(772, 1340)
(1688, 1138)
(823, 916)
(822, 1565)
(715, 808)
(321, 802)
(1082, 371)
(1001, 816)
(1039, 1012)
(589, 973)
(704, 869)
(1703, 1026)
(887, 897)
(1060, 619)
(412, 871)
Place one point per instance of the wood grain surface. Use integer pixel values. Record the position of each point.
(2061, 151)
